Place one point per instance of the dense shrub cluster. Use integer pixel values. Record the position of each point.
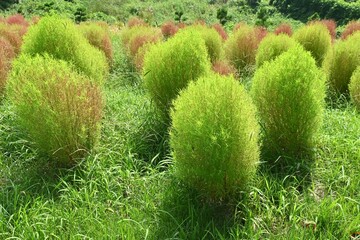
(58, 108)
(272, 46)
(170, 66)
(214, 136)
(350, 28)
(169, 29)
(341, 62)
(289, 94)
(316, 39)
(99, 37)
(354, 88)
(60, 38)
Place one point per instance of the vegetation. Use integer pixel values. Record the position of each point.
(289, 93)
(214, 136)
(354, 88)
(60, 110)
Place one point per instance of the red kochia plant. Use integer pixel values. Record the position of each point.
(135, 21)
(283, 28)
(181, 25)
(261, 32)
(238, 26)
(223, 68)
(12, 35)
(329, 24)
(350, 28)
(152, 35)
(17, 19)
(6, 55)
(169, 29)
(219, 28)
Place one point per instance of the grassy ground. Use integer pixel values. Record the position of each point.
(125, 189)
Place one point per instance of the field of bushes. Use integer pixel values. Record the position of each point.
(155, 127)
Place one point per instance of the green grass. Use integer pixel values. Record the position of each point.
(125, 189)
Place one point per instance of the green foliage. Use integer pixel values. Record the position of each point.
(341, 62)
(60, 38)
(170, 66)
(289, 93)
(212, 40)
(272, 46)
(58, 108)
(316, 39)
(240, 48)
(214, 136)
(354, 88)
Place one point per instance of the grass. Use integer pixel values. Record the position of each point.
(125, 189)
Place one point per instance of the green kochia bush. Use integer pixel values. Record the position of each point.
(170, 66)
(272, 46)
(341, 62)
(354, 88)
(58, 108)
(61, 39)
(289, 94)
(316, 39)
(214, 136)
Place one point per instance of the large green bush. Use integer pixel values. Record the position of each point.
(214, 136)
(170, 66)
(354, 88)
(60, 38)
(59, 109)
(289, 94)
(316, 39)
(272, 46)
(341, 62)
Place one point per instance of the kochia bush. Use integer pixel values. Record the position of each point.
(316, 39)
(341, 62)
(272, 46)
(7, 53)
(351, 28)
(354, 88)
(283, 28)
(214, 136)
(170, 66)
(289, 93)
(61, 39)
(58, 108)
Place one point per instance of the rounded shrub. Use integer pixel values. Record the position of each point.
(283, 28)
(341, 62)
(214, 136)
(351, 28)
(169, 29)
(289, 93)
(7, 53)
(60, 38)
(222, 67)
(142, 37)
(99, 37)
(58, 108)
(11, 33)
(316, 39)
(272, 46)
(170, 66)
(240, 48)
(221, 31)
(354, 88)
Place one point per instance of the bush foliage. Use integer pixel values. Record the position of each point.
(272, 46)
(59, 109)
(316, 39)
(289, 93)
(170, 66)
(354, 88)
(341, 62)
(60, 38)
(214, 136)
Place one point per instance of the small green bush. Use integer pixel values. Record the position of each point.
(354, 88)
(170, 66)
(272, 46)
(289, 93)
(316, 39)
(214, 136)
(212, 40)
(58, 108)
(240, 48)
(61, 39)
(341, 62)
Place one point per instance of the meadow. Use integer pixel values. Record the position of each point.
(117, 180)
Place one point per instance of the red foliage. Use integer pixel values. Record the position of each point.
(350, 28)
(219, 28)
(12, 35)
(283, 28)
(18, 20)
(135, 21)
(181, 25)
(169, 29)
(223, 68)
(200, 22)
(138, 41)
(6, 55)
(329, 24)
(261, 32)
